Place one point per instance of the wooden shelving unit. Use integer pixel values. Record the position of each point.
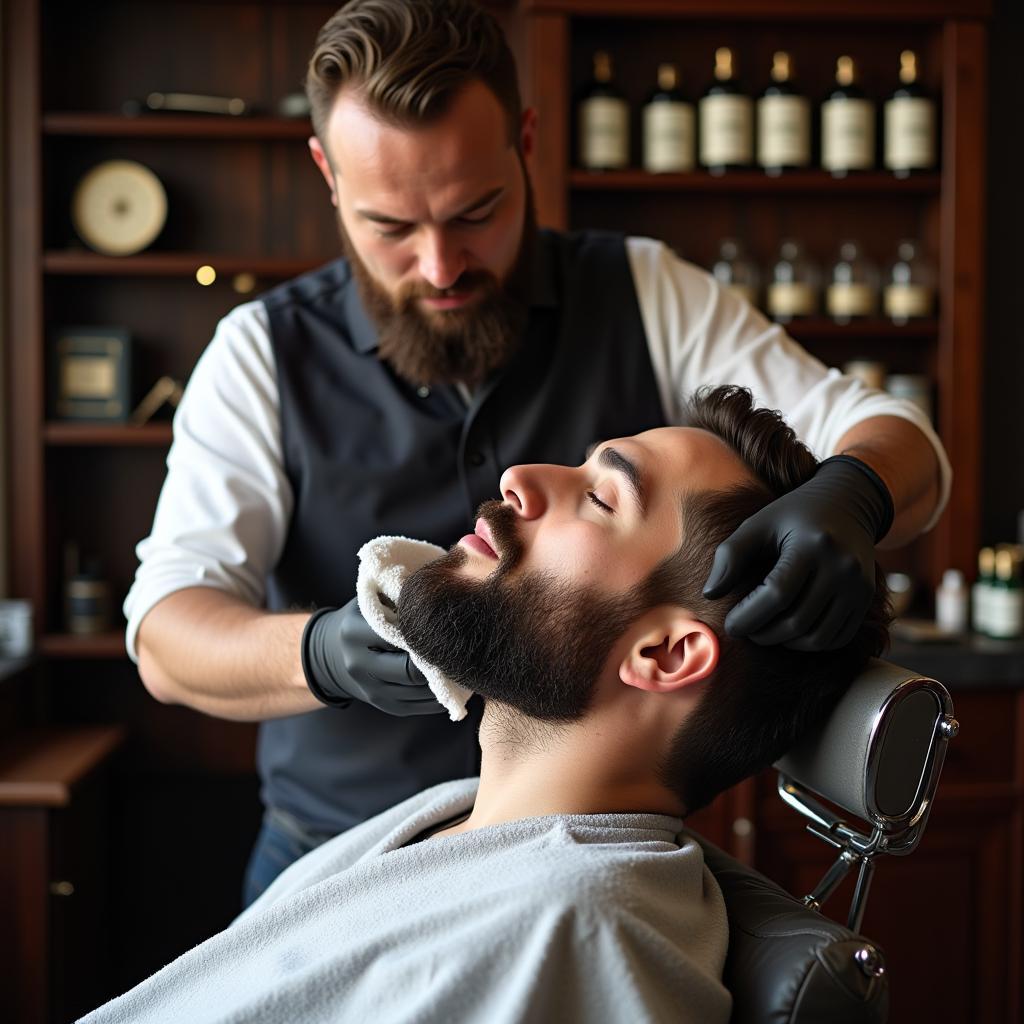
(755, 182)
(173, 126)
(81, 262)
(69, 645)
(148, 435)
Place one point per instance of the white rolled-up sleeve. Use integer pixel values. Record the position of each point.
(222, 515)
(700, 333)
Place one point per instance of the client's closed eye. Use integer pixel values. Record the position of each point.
(599, 503)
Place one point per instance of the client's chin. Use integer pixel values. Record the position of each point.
(529, 642)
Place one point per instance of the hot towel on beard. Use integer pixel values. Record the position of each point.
(385, 563)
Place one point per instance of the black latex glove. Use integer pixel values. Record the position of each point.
(822, 537)
(345, 660)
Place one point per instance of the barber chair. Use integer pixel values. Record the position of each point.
(878, 759)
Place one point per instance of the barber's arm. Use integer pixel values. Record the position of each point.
(242, 663)
(906, 461)
(213, 652)
(881, 488)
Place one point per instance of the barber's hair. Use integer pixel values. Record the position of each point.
(760, 700)
(408, 58)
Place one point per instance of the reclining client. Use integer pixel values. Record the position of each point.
(560, 885)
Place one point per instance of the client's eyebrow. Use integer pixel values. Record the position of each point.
(614, 459)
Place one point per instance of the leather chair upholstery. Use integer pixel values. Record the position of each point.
(791, 965)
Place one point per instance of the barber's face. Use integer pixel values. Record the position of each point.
(437, 222)
(528, 608)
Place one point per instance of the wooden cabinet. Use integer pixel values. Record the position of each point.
(54, 866)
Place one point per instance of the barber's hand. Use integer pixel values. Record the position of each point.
(345, 660)
(822, 538)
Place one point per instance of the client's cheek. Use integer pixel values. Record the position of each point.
(578, 556)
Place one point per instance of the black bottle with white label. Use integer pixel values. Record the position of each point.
(603, 120)
(668, 126)
(726, 119)
(847, 124)
(783, 121)
(909, 123)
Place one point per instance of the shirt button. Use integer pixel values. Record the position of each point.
(423, 391)
(476, 459)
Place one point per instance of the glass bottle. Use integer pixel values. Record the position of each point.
(982, 589)
(1006, 598)
(668, 126)
(726, 119)
(793, 288)
(847, 124)
(783, 121)
(603, 120)
(853, 285)
(909, 123)
(733, 270)
(909, 285)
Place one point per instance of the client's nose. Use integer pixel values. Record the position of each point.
(520, 487)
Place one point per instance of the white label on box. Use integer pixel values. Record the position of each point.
(88, 377)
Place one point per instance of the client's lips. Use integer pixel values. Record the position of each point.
(481, 540)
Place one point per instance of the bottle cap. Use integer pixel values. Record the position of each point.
(953, 579)
(668, 77)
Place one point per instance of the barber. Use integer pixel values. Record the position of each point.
(385, 392)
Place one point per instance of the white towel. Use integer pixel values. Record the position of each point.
(384, 565)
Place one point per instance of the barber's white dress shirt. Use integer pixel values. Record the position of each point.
(597, 918)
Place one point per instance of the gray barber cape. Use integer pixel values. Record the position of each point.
(567, 917)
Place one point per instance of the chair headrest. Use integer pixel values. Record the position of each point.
(880, 752)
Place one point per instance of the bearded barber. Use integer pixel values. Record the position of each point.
(385, 392)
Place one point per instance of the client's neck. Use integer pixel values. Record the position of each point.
(530, 768)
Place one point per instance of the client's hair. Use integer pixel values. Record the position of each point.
(761, 699)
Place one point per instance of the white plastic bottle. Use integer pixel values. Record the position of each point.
(951, 602)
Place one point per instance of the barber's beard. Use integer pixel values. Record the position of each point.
(454, 345)
(530, 643)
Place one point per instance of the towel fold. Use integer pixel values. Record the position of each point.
(384, 565)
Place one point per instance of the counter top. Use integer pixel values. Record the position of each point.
(964, 663)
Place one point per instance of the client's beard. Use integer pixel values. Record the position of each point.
(452, 345)
(530, 643)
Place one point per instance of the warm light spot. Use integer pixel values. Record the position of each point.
(206, 275)
(243, 283)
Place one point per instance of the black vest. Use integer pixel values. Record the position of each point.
(367, 454)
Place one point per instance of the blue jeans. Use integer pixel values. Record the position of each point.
(282, 840)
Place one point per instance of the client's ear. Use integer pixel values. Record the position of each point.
(669, 649)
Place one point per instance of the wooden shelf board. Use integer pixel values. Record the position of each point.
(798, 182)
(822, 329)
(41, 768)
(174, 126)
(803, 10)
(170, 264)
(154, 435)
(68, 645)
